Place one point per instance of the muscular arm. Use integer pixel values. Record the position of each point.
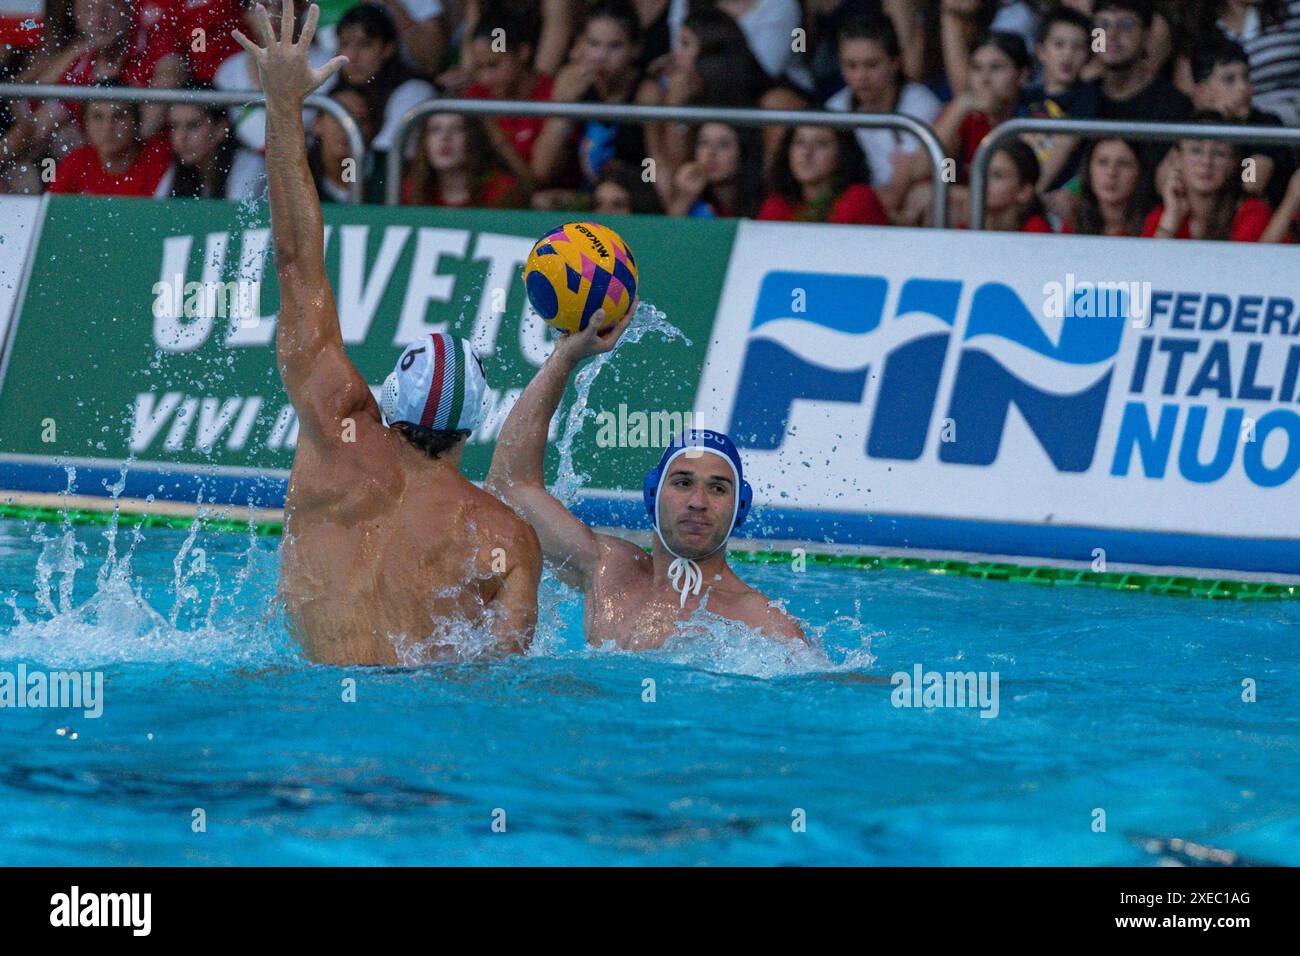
(516, 474)
(515, 477)
(322, 383)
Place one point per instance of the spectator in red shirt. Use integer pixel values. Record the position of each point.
(1203, 197)
(725, 176)
(1011, 202)
(1116, 190)
(135, 43)
(999, 69)
(116, 161)
(503, 46)
(457, 166)
(205, 29)
(820, 175)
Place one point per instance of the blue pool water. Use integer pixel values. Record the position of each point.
(1131, 704)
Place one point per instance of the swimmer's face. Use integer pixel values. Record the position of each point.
(696, 503)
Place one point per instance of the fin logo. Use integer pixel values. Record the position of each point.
(844, 341)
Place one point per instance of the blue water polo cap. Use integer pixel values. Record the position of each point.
(697, 441)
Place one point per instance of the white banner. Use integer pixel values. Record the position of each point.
(1011, 393)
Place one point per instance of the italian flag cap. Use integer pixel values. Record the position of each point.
(437, 384)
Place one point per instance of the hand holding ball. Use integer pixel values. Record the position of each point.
(576, 269)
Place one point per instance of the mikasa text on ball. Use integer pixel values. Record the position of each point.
(576, 269)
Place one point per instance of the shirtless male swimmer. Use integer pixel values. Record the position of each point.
(696, 496)
(389, 552)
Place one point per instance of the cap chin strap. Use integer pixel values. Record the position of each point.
(684, 573)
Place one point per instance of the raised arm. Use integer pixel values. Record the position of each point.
(515, 477)
(322, 383)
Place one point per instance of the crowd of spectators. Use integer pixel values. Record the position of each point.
(961, 66)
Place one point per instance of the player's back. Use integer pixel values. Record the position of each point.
(392, 557)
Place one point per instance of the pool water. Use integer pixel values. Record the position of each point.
(749, 753)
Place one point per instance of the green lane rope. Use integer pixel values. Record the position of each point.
(1163, 584)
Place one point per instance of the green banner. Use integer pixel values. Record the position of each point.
(148, 327)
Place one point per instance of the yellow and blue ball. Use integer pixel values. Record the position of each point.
(576, 269)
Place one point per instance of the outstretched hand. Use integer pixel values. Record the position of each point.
(594, 340)
(286, 73)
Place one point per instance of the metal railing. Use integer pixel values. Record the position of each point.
(120, 94)
(669, 114)
(1105, 129)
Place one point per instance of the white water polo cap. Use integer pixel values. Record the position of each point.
(437, 385)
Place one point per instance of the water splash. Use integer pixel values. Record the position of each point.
(118, 621)
(568, 482)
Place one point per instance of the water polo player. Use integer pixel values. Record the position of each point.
(697, 496)
(390, 554)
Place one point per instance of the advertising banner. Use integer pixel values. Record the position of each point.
(1063, 397)
(148, 334)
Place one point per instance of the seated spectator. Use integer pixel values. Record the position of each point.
(1063, 49)
(457, 166)
(870, 61)
(421, 30)
(208, 161)
(711, 65)
(1222, 77)
(368, 38)
(603, 70)
(551, 47)
(504, 72)
(1128, 91)
(724, 178)
(1116, 191)
(999, 69)
(621, 190)
(116, 160)
(239, 73)
(135, 44)
(1269, 31)
(1203, 197)
(964, 21)
(826, 21)
(330, 150)
(1285, 224)
(1011, 202)
(820, 175)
